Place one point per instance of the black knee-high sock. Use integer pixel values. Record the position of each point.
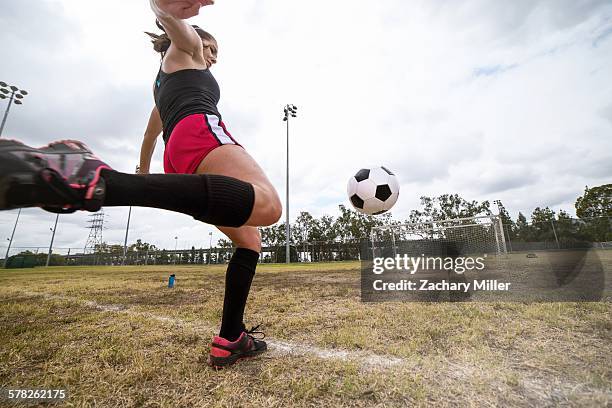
(214, 199)
(238, 278)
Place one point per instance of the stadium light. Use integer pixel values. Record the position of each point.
(13, 234)
(290, 111)
(16, 95)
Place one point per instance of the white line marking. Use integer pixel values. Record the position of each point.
(276, 347)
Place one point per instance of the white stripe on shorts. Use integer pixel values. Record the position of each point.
(213, 121)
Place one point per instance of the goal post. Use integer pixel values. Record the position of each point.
(461, 236)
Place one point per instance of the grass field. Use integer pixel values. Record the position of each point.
(117, 336)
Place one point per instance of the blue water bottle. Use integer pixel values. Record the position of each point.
(171, 281)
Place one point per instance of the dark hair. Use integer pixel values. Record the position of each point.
(161, 42)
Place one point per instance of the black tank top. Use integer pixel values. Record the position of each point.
(183, 93)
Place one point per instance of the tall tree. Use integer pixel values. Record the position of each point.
(225, 248)
(523, 229)
(542, 220)
(141, 246)
(595, 209)
(300, 231)
(352, 225)
(448, 206)
(595, 202)
(273, 235)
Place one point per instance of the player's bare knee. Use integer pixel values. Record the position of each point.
(271, 213)
(268, 207)
(249, 238)
(276, 209)
(256, 240)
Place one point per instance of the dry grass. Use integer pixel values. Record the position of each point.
(150, 348)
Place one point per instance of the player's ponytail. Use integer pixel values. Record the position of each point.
(161, 42)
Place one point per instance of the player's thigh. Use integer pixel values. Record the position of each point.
(234, 161)
(243, 237)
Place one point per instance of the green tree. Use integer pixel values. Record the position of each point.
(143, 247)
(571, 233)
(273, 235)
(595, 210)
(324, 229)
(542, 224)
(523, 229)
(595, 202)
(29, 259)
(225, 249)
(444, 207)
(448, 206)
(163, 258)
(300, 231)
(352, 225)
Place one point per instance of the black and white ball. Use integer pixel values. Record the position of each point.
(373, 191)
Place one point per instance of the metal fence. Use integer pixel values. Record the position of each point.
(544, 236)
(23, 257)
(569, 233)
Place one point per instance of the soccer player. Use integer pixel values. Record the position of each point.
(209, 175)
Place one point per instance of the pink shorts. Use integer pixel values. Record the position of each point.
(191, 140)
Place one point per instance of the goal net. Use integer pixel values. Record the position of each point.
(453, 237)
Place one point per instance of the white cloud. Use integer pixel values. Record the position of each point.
(492, 100)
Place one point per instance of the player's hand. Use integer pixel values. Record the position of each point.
(139, 171)
(182, 9)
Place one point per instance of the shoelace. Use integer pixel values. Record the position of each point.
(254, 330)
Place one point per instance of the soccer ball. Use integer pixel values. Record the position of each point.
(373, 191)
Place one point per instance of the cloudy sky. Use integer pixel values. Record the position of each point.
(488, 99)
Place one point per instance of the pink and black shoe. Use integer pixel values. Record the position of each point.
(62, 177)
(224, 353)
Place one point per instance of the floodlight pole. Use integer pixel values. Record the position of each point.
(8, 107)
(175, 247)
(16, 93)
(52, 239)
(11, 240)
(290, 111)
(209, 248)
(287, 228)
(127, 227)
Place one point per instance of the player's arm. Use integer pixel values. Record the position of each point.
(154, 128)
(172, 14)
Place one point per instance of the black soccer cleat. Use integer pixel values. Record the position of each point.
(224, 353)
(62, 177)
